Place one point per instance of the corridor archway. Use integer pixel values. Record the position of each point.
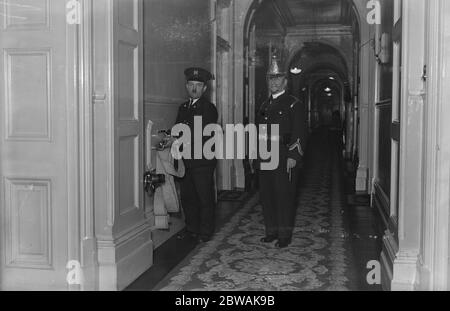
(323, 82)
(321, 39)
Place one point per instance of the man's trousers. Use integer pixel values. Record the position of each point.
(277, 195)
(198, 200)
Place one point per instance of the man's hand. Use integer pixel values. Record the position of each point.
(291, 163)
(170, 140)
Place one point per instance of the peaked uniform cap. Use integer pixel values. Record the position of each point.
(275, 68)
(198, 74)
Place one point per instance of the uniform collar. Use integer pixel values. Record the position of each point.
(275, 96)
(194, 102)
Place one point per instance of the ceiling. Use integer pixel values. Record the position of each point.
(321, 60)
(291, 13)
(277, 17)
(307, 12)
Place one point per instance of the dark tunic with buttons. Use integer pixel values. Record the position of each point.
(186, 114)
(278, 187)
(197, 186)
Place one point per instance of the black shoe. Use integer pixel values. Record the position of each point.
(268, 239)
(204, 239)
(187, 234)
(283, 242)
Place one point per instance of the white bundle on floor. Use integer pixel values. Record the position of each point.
(166, 198)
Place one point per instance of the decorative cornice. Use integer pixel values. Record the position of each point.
(322, 30)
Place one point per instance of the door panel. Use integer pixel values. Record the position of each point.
(396, 115)
(123, 235)
(129, 107)
(33, 144)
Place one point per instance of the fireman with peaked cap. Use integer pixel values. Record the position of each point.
(197, 186)
(278, 187)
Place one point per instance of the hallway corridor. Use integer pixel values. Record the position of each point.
(322, 253)
(89, 101)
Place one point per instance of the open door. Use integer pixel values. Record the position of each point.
(124, 237)
(396, 113)
(129, 113)
(34, 164)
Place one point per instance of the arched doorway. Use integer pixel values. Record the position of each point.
(244, 40)
(323, 40)
(321, 78)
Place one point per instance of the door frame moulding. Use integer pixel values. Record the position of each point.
(81, 236)
(88, 241)
(375, 127)
(222, 49)
(363, 106)
(405, 264)
(434, 269)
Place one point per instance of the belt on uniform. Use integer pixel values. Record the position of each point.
(282, 139)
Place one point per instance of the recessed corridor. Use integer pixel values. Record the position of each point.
(335, 236)
(92, 89)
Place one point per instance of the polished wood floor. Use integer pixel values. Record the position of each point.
(364, 229)
(362, 226)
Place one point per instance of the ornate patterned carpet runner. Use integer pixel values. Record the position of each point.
(317, 259)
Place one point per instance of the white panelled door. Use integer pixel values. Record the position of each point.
(33, 145)
(125, 248)
(129, 114)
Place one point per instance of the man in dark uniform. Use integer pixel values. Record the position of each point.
(278, 187)
(197, 187)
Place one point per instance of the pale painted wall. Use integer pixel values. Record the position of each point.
(177, 35)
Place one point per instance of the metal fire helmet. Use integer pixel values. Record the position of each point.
(275, 68)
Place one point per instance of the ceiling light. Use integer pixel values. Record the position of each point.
(332, 78)
(296, 71)
(329, 94)
(328, 90)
